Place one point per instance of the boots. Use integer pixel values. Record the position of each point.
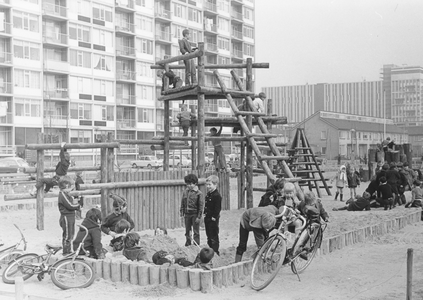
(238, 258)
(336, 196)
(340, 197)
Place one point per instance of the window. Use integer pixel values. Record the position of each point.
(81, 84)
(27, 107)
(83, 7)
(179, 11)
(323, 135)
(145, 115)
(27, 79)
(31, 1)
(249, 32)
(177, 31)
(223, 5)
(79, 32)
(27, 50)
(343, 135)
(144, 23)
(80, 136)
(103, 62)
(102, 37)
(80, 111)
(194, 15)
(102, 12)
(25, 21)
(224, 60)
(223, 24)
(144, 92)
(143, 69)
(80, 58)
(195, 36)
(223, 43)
(144, 46)
(248, 14)
(249, 49)
(140, 2)
(103, 113)
(103, 87)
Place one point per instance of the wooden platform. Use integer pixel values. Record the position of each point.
(190, 92)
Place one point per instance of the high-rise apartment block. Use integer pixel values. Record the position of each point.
(76, 69)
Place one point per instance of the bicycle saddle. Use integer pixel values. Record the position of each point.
(53, 248)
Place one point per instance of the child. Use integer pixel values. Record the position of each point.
(192, 206)
(121, 229)
(213, 204)
(288, 193)
(359, 204)
(258, 220)
(259, 102)
(132, 249)
(185, 48)
(203, 259)
(78, 182)
(174, 81)
(61, 170)
(67, 212)
(416, 195)
(162, 257)
(119, 213)
(219, 156)
(341, 181)
(353, 178)
(185, 118)
(160, 231)
(92, 243)
(385, 196)
(272, 193)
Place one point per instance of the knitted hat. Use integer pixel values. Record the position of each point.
(206, 255)
(117, 200)
(385, 167)
(93, 214)
(417, 182)
(366, 195)
(158, 256)
(268, 221)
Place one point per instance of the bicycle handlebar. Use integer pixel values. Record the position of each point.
(86, 232)
(22, 236)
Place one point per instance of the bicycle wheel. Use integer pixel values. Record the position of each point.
(267, 262)
(299, 264)
(24, 266)
(69, 274)
(6, 258)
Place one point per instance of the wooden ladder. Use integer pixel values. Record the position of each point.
(303, 163)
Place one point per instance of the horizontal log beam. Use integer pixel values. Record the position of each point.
(72, 146)
(133, 184)
(31, 170)
(265, 135)
(217, 66)
(191, 55)
(145, 142)
(51, 195)
(172, 147)
(273, 157)
(249, 113)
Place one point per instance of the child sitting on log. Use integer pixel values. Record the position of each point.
(132, 249)
(185, 118)
(92, 244)
(174, 80)
(359, 204)
(416, 195)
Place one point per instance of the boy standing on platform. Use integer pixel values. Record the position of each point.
(213, 206)
(185, 48)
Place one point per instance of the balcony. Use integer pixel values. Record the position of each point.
(163, 36)
(237, 53)
(210, 47)
(56, 66)
(7, 119)
(126, 75)
(210, 28)
(125, 5)
(211, 7)
(55, 120)
(7, 28)
(236, 34)
(5, 87)
(126, 99)
(236, 15)
(56, 94)
(163, 14)
(6, 58)
(125, 124)
(56, 39)
(125, 27)
(125, 51)
(55, 11)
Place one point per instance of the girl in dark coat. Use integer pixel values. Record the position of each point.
(92, 244)
(353, 178)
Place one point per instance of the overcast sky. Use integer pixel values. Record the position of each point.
(314, 41)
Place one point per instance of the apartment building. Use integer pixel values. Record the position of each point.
(76, 69)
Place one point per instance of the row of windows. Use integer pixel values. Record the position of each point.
(83, 7)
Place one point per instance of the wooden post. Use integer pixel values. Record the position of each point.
(126, 276)
(409, 274)
(217, 277)
(143, 276)
(206, 279)
(133, 273)
(106, 269)
(194, 279)
(200, 117)
(182, 278)
(249, 119)
(241, 187)
(164, 274)
(172, 275)
(104, 179)
(40, 190)
(110, 167)
(19, 288)
(154, 275)
(269, 128)
(116, 271)
(166, 131)
(193, 143)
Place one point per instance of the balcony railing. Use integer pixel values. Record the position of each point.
(7, 28)
(54, 10)
(7, 119)
(126, 99)
(56, 65)
(163, 36)
(210, 27)
(237, 53)
(5, 87)
(210, 47)
(236, 15)
(237, 34)
(210, 6)
(6, 58)
(127, 123)
(125, 26)
(125, 50)
(163, 13)
(58, 93)
(58, 38)
(125, 4)
(126, 75)
(55, 120)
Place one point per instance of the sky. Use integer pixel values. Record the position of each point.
(323, 41)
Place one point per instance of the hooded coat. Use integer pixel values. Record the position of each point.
(93, 240)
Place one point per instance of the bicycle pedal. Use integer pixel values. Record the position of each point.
(40, 277)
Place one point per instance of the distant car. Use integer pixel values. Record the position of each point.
(179, 160)
(13, 165)
(147, 161)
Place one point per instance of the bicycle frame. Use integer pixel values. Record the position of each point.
(17, 245)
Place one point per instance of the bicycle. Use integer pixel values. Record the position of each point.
(275, 252)
(10, 253)
(68, 272)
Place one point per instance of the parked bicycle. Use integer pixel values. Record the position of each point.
(10, 253)
(275, 252)
(68, 272)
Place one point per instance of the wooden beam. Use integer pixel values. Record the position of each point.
(31, 170)
(201, 134)
(12, 197)
(191, 55)
(271, 157)
(72, 146)
(40, 192)
(249, 113)
(216, 66)
(132, 184)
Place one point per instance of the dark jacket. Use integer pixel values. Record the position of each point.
(393, 177)
(111, 220)
(213, 205)
(63, 165)
(353, 179)
(313, 212)
(192, 203)
(184, 46)
(78, 182)
(135, 253)
(384, 191)
(93, 239)
(65, 204)
(269, 197)
(173, 79)
(359, 204)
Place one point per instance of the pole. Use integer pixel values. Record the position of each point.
(409, 273)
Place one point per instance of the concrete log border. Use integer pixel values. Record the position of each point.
(205, 281)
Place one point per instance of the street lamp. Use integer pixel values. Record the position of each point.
(352, 143)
